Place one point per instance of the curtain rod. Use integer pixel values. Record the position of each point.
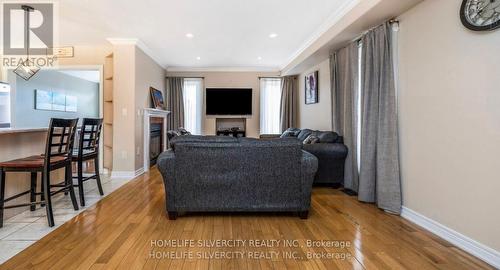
(360, 37)
(269, 77)
(391, 21)
(277, 77)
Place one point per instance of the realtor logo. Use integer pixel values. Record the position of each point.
(41, 29)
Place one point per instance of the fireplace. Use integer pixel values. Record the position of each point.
(155, 139)
(155, 142)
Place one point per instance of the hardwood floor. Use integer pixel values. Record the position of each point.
(129, 228)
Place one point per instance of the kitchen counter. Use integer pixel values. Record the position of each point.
(21, 130)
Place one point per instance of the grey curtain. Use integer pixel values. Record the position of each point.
(379, 179)
(288, 106)
(344, 92)
(175, 102)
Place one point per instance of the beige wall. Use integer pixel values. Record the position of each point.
(87, 55)
(316, 116)
(147, 74)
(450, 120)
(236, 80)
(124, 108)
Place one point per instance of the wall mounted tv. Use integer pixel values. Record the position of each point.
(229, 101)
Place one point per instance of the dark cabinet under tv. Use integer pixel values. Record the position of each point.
(235, 127)
(237, 133)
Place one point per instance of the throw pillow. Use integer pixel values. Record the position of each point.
(303, 134)
(172, 134)
(311, 139)
(291, 132)
(183, 131)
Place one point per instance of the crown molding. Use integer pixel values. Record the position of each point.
(333, 19)
(223, 69)
(139, 44)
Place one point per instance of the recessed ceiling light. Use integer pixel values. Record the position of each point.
(273, 35)
(259, 58)
(189, 35)
(198, 58)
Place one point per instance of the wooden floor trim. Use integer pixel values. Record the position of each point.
(475, 248)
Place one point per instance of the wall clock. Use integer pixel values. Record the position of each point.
(480, 15)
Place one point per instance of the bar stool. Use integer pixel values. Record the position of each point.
(88, 149)
(58, 149)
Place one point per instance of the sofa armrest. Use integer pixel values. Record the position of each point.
(309, 166)
(329, 150)
(166, 165)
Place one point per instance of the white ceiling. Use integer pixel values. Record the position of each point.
(227, 33)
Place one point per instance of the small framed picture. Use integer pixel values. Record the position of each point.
(311, 87)
(157, 98)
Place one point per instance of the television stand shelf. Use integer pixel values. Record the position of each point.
(235, 127)
(236, 133)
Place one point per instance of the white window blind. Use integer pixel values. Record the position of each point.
(192, 95)
(270, 99)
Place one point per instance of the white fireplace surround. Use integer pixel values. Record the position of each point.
(148, 114)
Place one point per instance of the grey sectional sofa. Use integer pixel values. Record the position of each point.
(223, 174)
(328, 147)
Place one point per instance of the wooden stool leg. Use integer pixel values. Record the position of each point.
(80, 182)
(33, 191)
(98, 175)
(2, 194)
(69, 185)
(42, 190)
(48, 199)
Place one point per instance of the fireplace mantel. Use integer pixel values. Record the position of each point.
(148, 114)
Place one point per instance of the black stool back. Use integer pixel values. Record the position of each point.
(89, 136)
(88, 149)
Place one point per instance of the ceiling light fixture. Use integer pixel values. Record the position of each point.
(189, 35)
(198, 58)
(273, 35)
(259, 58)
(24, 70)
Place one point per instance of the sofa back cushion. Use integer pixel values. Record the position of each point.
(323, 136)
(326, 136)
(201, 139)
(248, 170)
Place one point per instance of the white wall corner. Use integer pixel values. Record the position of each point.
(139, 44)
(469, 245)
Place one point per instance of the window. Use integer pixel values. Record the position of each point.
(358, 98)
(270, 100)
(192, 95)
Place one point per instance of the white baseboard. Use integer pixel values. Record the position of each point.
(127, 174)
(475, 248)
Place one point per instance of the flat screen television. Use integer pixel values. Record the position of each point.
(229, 101)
